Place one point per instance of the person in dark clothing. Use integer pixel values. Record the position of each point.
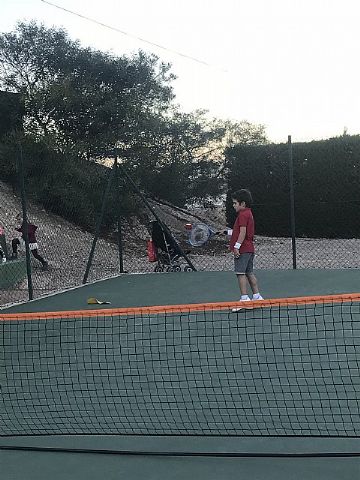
(33, 245)
(2, 245)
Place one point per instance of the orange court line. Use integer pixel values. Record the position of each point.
(186, 308)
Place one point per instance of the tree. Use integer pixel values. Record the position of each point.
(184, 161)
(172, 161)
(81, 99)
(244, 133)
(84, 102)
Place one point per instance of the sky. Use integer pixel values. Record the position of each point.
(291, 65)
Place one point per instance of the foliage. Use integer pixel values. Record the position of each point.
(70, 187)
(80, 104)
(184, 162)
(326, 186)
(82, 100)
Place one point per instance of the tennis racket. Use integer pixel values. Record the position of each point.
(200, 233)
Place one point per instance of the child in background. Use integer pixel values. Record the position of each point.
(31, 229)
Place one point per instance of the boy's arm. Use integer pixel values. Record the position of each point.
(242, 234)
(239, 241)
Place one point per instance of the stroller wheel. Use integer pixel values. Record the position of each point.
(158, 268)
(169, 268)
(176, 268)
(187, 268)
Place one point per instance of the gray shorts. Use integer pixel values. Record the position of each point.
(244, 264)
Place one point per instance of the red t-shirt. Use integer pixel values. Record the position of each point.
(31, 232)
(244, 219)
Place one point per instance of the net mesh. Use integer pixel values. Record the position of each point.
(283, 368)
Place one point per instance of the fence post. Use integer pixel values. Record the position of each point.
(292, 202)
(118, 214)
(25, 221)
(98, 225)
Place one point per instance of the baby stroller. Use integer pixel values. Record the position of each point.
(168, 253)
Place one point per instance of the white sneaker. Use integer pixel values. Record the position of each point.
(258, 298)
(237, 309)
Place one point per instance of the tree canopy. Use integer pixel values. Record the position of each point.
(83, 99)
(85, 103)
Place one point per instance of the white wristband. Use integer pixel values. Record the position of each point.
(237, 245)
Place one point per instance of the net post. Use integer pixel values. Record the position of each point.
(292, 202)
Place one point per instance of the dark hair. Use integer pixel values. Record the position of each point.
(243, 195)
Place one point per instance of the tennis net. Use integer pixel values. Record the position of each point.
(287, 367)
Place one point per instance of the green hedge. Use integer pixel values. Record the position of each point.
(326, 186)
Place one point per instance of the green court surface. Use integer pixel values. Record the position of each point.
(194, 287)
(278, 393)
(30, 465)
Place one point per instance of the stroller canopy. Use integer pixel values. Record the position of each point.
(162, 238)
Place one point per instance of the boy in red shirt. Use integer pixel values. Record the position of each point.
(242, 245)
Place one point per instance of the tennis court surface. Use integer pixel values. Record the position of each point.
(167, 382)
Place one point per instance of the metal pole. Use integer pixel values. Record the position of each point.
(292, 202)
(98, 226)
(119, 235)
(164, 227)
(25, 232)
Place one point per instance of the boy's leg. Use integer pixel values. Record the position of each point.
(252, 279)
(242, 283)
(15, 242)
(253, 283)
(40, 258)
(241, 268)
(243, 289)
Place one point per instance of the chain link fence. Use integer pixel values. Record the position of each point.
(86, 229)
(78, 240)
(306, 201)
